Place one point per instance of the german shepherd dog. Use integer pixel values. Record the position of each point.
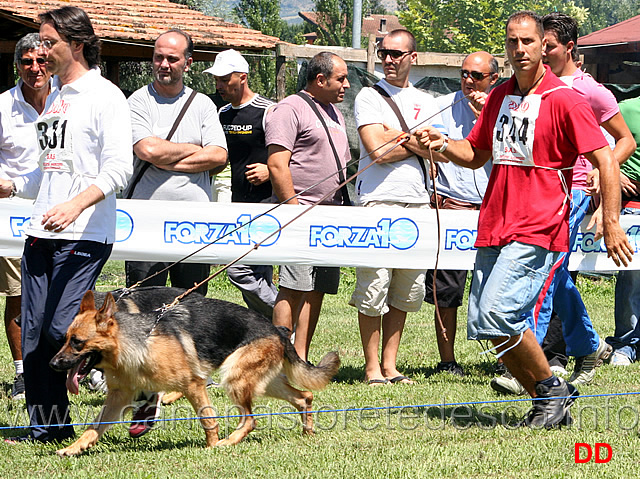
(138, 350)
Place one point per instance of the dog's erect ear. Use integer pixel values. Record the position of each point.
(105, 315)
(109, 307)
(88, 302)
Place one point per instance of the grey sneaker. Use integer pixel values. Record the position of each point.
(17, 390)
(551, 407)
(450, 367)
(585, 368)
(507, 384)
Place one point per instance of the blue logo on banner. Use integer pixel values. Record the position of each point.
(249, 232)
(586, 242)
(124, 225)
(633, 233)
(462, 240)
(18, 224)
(401, 234)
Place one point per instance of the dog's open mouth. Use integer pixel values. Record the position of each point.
(80, 370)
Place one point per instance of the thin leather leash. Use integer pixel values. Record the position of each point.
(398, 140)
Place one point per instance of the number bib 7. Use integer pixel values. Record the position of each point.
(515, 129)
(54, 140)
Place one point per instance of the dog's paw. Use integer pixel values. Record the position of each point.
(69, 451)
(223, 442)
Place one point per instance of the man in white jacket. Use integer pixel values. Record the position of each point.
(84, 141)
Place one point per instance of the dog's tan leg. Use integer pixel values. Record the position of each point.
(170, 398)
(199, 399)
(246, 425)
(114, 405)
(280, 388)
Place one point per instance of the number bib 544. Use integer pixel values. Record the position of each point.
(515, 129)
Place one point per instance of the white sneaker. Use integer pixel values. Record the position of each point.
(96, 381)
(619, 359)
(585, 368)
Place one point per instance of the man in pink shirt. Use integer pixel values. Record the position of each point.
(300, 155)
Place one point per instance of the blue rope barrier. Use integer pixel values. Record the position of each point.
(318, 411)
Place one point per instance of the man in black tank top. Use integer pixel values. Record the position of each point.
(243, 123)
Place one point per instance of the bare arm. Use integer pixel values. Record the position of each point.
(209, 158)
(625, 144)
(375, 135)
(618, 247)
(278, 164)
(257, 173)
(459, 152)
(160, 152)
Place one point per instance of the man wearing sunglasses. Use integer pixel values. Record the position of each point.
(384, 296)
(19, 109)
(459, 189)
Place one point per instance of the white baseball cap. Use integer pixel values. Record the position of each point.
(227, 62)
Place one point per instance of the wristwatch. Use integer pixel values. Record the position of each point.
(13, 190)
(444, 145)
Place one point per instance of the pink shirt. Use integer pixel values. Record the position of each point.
(293, 125)
(604, 106)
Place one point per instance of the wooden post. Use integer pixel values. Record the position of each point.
(371, 53)
(113, 72)
(281, 77)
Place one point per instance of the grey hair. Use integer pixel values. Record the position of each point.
(31, 41)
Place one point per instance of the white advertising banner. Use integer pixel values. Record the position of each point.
(325, 235)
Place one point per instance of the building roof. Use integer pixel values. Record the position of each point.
(627, 31)
(371, 24)
(137, 21)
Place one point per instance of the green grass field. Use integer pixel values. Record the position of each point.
(365, 431)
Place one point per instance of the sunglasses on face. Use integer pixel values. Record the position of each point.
(477, 76)
(27, 62)
(394, 54)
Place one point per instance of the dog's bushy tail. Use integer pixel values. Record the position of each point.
(306, 375)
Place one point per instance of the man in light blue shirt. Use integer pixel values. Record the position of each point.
(459, 188)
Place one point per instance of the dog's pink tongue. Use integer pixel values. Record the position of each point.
(72, 379)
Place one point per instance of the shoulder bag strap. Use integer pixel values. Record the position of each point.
(384, 94)
(146, 164)
(345, 193)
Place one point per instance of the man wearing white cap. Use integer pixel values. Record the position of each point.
(243, 122)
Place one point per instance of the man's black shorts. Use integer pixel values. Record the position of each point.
(449, 287)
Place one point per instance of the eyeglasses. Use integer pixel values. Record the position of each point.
(394, 54)
(27, 62)
(48, 44)
(477, 76)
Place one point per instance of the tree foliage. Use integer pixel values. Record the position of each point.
(263, 15)
(464, 26)
(335, 19)
(604, 13)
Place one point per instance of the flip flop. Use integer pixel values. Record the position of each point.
(400, 379)
(377, 382)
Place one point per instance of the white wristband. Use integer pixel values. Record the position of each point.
(444, 145)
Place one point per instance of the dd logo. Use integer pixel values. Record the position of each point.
(589, 452)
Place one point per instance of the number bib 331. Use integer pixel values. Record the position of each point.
(515, 129)
(54, 140)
